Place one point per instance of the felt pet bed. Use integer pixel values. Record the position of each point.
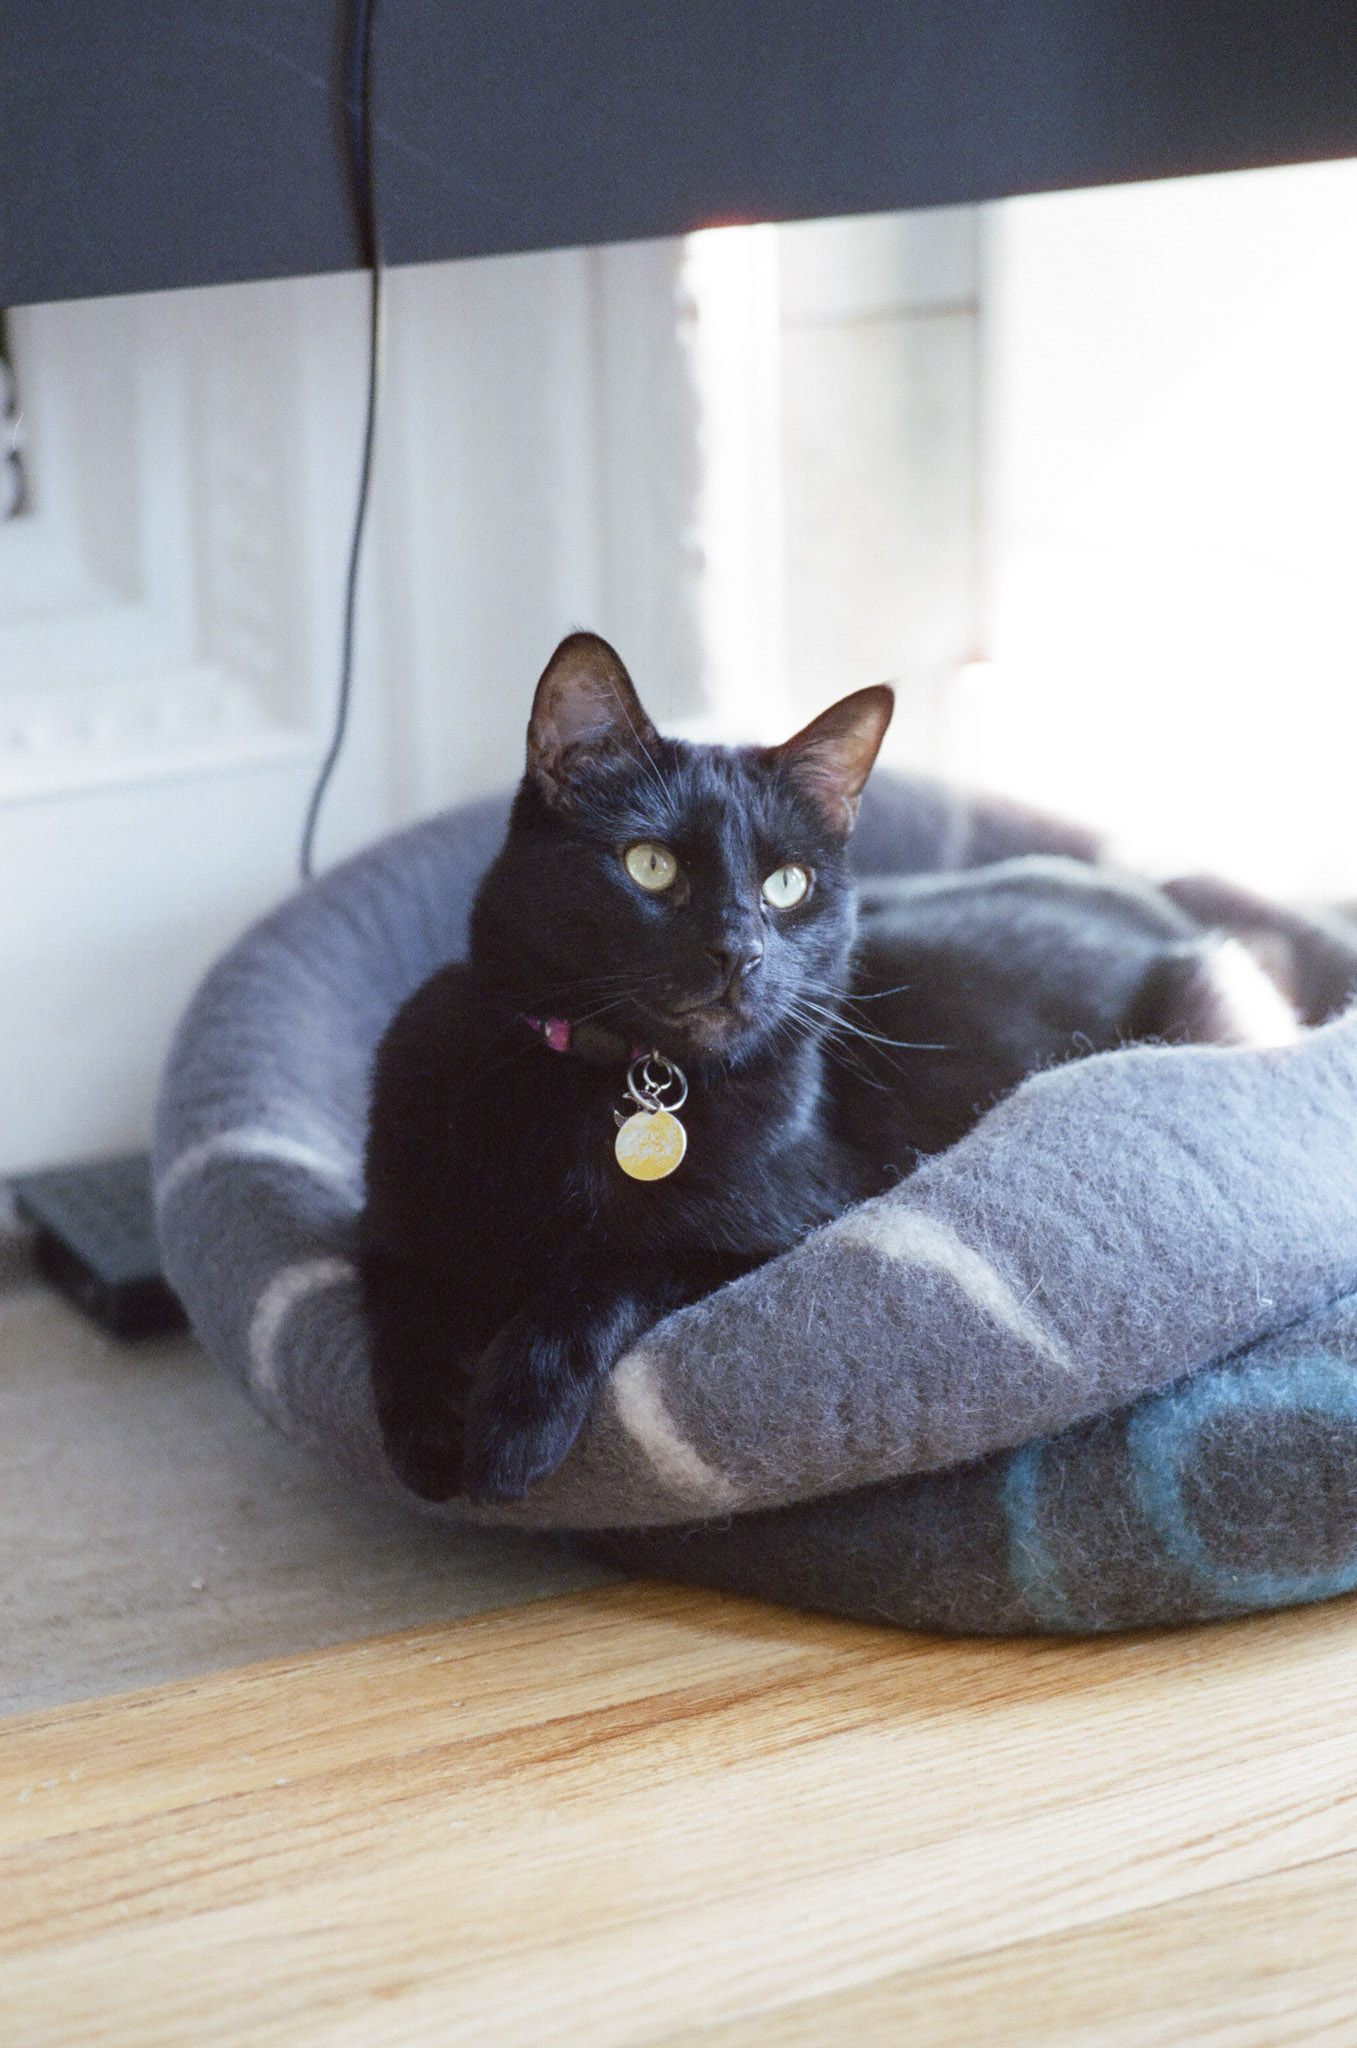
(1094, 1367)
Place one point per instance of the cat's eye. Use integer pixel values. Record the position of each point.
(652, 867)
(786, 887)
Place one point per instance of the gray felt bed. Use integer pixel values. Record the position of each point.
(1094, 1367)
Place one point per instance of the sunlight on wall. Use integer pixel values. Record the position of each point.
(835, 367)
(731, 289)
(1173, 522)
(1078, 477)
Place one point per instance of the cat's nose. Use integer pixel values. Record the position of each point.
(735, 960)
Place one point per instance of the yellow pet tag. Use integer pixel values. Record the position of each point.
(652, 1142)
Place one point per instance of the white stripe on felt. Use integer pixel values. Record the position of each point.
(248, 1141)
(907, 1237)
(642, 1413)
(285, 1291)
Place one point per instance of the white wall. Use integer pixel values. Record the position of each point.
(837, 367)
(537, 471)
(1174, 441)
(170, 610)
(162, 647)
(880, 342)
(1075, 472)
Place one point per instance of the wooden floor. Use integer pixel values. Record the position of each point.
(650, 1816)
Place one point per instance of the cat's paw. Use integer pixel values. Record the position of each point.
(527, 1406)
(505, 1456)
(424, 1450)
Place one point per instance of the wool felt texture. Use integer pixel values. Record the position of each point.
(1117, 1228)
(1233, 1491)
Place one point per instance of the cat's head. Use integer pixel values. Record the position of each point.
(691, 897)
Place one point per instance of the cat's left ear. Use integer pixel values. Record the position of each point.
(586, 708)
(831, 758)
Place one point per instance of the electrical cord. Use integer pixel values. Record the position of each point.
(13, 491)
(363, 196)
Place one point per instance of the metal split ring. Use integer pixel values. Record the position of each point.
(648, 1089)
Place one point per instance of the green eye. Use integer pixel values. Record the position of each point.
(786, 887)
(652, 867)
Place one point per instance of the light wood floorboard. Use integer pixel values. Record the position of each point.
(645, 1815)
(1264, 1964)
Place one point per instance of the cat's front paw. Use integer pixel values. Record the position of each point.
(423, 1456)
(504, 1457)
(527, 1406)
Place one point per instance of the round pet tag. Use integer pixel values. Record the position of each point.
(650, 1144)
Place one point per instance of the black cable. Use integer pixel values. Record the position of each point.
(362, 191)
(13, 483)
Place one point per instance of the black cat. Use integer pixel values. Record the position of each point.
(649, 896)
(681, 919)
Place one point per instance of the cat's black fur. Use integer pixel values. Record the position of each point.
(991, 974)
(508, 1261)
(494, 1197)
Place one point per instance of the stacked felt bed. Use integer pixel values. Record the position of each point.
(1092, 1367)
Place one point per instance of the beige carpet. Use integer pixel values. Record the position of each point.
(152, 1526)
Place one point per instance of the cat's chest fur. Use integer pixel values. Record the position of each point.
(505, 1163)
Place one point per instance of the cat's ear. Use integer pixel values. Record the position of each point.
(586, 708)
(831, 758)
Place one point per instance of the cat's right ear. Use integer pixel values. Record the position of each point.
(586, 708)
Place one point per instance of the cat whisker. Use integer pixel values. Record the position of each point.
(600, 1010)
(830, 1032)
(843, 1056)
(854, 996)
(838, 1021)
(874, 995)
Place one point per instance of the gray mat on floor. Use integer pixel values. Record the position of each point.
(153, 1526)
